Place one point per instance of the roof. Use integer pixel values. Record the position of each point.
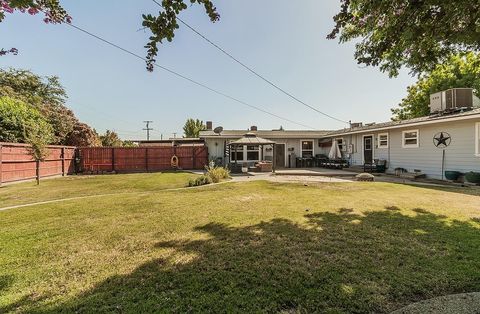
(306, 134)
(437, 118)
(314, 134)
(251, 139)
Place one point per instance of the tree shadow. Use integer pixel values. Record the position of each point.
(336, 262)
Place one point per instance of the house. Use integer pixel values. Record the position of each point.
(412, 144)
(448, 139)
(288, 145)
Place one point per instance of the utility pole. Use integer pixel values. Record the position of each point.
(174, 135)
(148, 128)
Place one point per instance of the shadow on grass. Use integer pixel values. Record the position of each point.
(339, 262)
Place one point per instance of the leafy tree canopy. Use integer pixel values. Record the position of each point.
(417, 34)
(47, 95)
(17, 119)
(111, 139)
(193, 127)
(458, 71)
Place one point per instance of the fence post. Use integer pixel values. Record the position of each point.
(63, 161)
(113, 159)
(146, 159)
(1, 167)
(194, 159)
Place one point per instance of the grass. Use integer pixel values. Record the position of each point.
(74, 186)
(240, 247)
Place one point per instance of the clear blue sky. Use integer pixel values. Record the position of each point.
(282, 39)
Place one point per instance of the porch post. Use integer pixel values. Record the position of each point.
(273, 159)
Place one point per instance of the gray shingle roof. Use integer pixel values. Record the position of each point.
(395, 124)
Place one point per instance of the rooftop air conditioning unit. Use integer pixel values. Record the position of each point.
(453, 99)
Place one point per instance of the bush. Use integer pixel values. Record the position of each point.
(202, 180)
(217, 174)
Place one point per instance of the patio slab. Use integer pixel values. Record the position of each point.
(315, 172)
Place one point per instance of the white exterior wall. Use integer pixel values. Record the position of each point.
(459, 156)
(216, 147)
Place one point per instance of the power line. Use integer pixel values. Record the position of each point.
(185, 77)
(253, 71)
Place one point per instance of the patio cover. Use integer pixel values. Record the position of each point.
(251, 139)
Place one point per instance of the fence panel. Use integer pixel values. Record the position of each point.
(141, 159)
(17, 164)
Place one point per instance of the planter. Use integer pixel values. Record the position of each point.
(452, 175)
(473, 177)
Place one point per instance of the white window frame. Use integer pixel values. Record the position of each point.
(477, 139)
(301, 147)
(380, 142)
(410, 145)
(246, 151)
(344, 148)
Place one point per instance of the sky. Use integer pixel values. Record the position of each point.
(283, 40)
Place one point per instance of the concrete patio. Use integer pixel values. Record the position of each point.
(324, 172)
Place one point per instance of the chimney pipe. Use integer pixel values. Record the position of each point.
(209, 125)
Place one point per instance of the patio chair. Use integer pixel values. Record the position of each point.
(378, 166)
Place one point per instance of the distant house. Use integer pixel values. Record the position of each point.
(412, 144)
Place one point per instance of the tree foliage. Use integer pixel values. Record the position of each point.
(83, 136)
(417, 34)
(458, 71)
(111, 139)
(164, 25)
(193, 127)
(47, 95)
(17, 119)
(52, 10)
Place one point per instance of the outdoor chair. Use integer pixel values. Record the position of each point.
(378, 166)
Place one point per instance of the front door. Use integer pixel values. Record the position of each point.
(280, 155)
(368, 149)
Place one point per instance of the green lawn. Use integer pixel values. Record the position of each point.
(74, 186)
(236, 247)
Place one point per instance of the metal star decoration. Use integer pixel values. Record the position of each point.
(442, 139)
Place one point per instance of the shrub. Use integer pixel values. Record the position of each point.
(201, 180)
(217, 174)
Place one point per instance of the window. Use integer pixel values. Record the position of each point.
(307, 149)
(477, 139)
(368, 143)
(383, 140)
(239, 152)
(341, 144)
(410, 139)
(253, 153)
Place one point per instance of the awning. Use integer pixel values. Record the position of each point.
(252, 140)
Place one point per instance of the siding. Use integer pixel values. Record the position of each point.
(459, 156)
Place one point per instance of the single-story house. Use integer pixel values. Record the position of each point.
(448, 139)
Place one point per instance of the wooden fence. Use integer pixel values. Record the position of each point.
(16, 163)
(141, 159)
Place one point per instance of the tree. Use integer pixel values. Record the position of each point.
(44, 93)
(83, 136)
(417, 34)
(458, 71)
(193, 127)
(16, 116)
(38, 139)
(111, 139)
